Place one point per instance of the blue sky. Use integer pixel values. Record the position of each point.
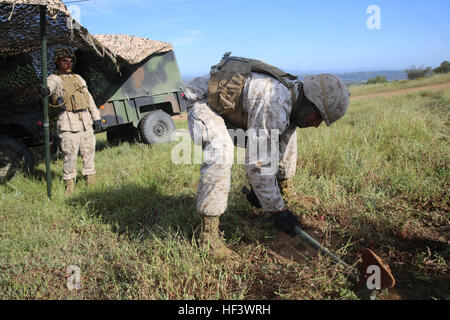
(307, 36)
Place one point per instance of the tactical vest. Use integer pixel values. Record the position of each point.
(227, 82)
(76, 97)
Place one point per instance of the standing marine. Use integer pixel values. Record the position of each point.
(78, 114)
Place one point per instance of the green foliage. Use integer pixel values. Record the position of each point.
(358, 90)
(378, 79)
(418, 72)
(443, 68)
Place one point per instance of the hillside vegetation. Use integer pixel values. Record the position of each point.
(381, 175)
(363, 89)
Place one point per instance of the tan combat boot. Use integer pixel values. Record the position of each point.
(70, 187)
(211, 239)
(90, 180)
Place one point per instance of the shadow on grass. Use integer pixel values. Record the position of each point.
(102, 145)
(419, 278)
(41, 175)
(414, 262)
(140, 211)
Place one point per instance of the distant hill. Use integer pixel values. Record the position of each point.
(362, 77)
(348, 77)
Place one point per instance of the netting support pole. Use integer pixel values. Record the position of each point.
(43, 20)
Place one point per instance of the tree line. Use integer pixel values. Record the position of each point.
(414, 72)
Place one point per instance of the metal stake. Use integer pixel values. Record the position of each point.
(45, 99)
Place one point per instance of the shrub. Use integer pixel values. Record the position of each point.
(378, 79)
(443, 68)
(416, 73)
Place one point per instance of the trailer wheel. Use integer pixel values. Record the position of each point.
(156, 127)
(14, 157)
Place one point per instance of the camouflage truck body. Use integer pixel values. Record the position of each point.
(155, 85)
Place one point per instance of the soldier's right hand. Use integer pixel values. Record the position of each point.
(43, 91)
(286, 221)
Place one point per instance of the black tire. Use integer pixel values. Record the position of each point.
(156, 127)
(14, 157)
(123, 133)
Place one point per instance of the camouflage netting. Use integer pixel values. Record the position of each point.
(132, 49)
(102, 59)
(18, 80)
(20, 28)
(100, 74)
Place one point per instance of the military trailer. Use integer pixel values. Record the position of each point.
(139, 103)
(136, 103)
(135, 82)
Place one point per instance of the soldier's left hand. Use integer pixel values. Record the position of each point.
(43, 91)
(97, 125)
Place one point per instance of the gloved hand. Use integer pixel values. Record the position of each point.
(43, 91)
(286, 221)
(251, 197)
(97, 125)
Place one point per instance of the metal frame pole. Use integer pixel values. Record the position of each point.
(43, 20)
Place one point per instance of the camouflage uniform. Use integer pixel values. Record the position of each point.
(75, 131)
(268, 103)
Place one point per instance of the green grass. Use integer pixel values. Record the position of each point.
(381, 174)
(363, 89)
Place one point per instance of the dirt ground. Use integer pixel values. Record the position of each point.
(412, 282)
(180, 117)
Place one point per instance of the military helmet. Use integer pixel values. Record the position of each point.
(64, 53)
(329, 94)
